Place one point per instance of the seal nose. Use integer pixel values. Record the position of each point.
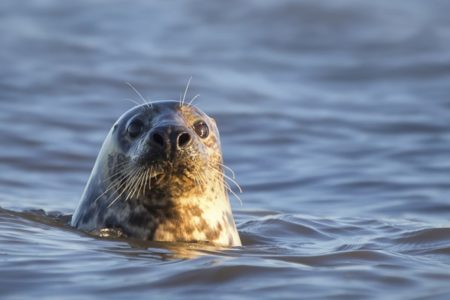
(170, 138)
(183, 139)
(159, 139)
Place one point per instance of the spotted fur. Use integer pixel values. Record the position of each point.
(182, 198)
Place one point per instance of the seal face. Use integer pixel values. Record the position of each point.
(159, 176)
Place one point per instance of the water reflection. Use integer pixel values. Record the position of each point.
(335, 117)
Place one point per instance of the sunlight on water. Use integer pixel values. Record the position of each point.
(334, 116)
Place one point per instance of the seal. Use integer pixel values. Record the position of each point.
(159, 176)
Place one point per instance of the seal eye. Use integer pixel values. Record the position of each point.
(135, 128)
(201, 129)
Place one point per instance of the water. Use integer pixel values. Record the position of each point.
(335, 116)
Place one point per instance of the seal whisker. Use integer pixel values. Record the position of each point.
(133, 101)
(145, 181)
(121, 190)
(123, 186)
(122, 170)
(117, 168)
(218, 176)
(129, 182)
(134, 185)
(136, 91)
(125, 180)
(229, 178)
(142, 175)
(200, 177)
(120, 164)
(118, 174)
(121, 177)
(115, 200)
(233, 181)
(226, 185)
(193, 99)
(233, 193)
(114, 183)
(229, 169)
(150, 181)
(149, 104)
(186, 90)
(236, 196)
(139, 180)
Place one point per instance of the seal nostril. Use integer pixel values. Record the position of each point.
(158, 139)
(183, 139)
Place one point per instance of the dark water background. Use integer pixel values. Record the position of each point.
(335, 116)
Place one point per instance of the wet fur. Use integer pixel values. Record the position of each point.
(182, 198)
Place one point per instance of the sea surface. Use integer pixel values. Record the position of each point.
(334, 115)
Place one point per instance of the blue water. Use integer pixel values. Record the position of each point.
(335, 116)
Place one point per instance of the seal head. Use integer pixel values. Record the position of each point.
(159, 177)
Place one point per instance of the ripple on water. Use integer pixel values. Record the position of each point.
(338, 110)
